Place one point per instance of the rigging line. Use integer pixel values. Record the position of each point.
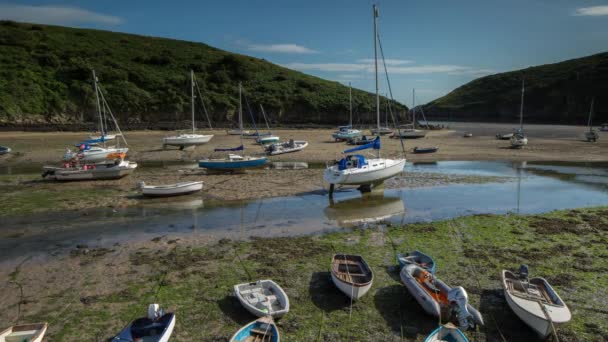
(390, 90)
(112, 115)
(423, 116)
(198, 89)
(251, 114)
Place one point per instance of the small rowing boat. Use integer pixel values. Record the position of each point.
(183, 188)
(156, 327)
(425, 149)
(24, 332)
(351, 275)
(446, 332)
(261, 330)
(263, 298)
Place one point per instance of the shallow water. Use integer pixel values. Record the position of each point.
(534, 188)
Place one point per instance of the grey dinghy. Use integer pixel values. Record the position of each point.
(263, 298)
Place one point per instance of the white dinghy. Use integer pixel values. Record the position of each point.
(534, 301)
(351, 274)
(190, 139)
(286, 147)
(156, 327)
(261, 330)
(263, 298)
(24, 333)
(177, 189)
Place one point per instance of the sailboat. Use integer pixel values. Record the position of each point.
(189, 139)
(384, 130)
(591, 135)
(266, 139)
(347, 132)
(357, 169)
(519, 138)
(410, 131)
(89, 150)
(233, 161)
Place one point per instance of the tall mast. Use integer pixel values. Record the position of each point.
(376, 65)
(192, 98)
(414, 107)
(98, 104)
(521, 108)
(240, 109)
(590, 114)
(350, 104)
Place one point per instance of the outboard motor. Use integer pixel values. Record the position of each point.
(459, 299)
(523, 272)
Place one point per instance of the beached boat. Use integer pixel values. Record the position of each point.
(468, 135)
(347, 132)
(604, 127)
(591, 135)
(534, 301)
(4, 150)
(267, 140)
(156, 327)
(447, 332)
(408, 132)
(78, 171)
(286, 147)
(177, 189)
(190, 139)
(381, 131)
(360, 140)
(418, 258)
(434, 295)
(261, 330)
(94, 154)
(24, 333)
(426, 149)
(263, 298)
(504, 136)
(237, 132)
(351, 274)
(519, 138)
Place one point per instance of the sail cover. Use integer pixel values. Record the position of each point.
(374, 144)
(240, 148)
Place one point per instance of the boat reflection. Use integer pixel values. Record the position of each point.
(370, 208)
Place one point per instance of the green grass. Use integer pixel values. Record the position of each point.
(45, 76)
(566, 247)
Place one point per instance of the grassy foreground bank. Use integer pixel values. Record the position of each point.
(115, 285)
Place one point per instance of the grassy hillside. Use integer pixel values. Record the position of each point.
(45, 77)
(555, 93)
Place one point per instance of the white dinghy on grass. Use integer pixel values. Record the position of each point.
(263, 298)
(177, 189)
(24, 333)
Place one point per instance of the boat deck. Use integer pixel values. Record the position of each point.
(529, 291)
(350, 271)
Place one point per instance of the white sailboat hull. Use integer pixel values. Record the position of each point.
(377, 170)
(187, 140)
(106, 137)
(409, 134)
(99, 154)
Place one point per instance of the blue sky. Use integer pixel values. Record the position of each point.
(433, 46)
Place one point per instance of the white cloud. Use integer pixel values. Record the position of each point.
(55, 15)
(387, 61)
(392, 69)
(593, 11)
(280, 48)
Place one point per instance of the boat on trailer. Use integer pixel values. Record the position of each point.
(261, 330)
(534, 301)
(447, 332)
(157, 326)
(286, 147)
(418, 258)
(24, 333)
(263, 298)
(434, 296)
(351, 274)
(167, 190)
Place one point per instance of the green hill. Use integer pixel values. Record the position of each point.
(45, 77)
(555, 93)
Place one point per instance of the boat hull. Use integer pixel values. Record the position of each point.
(172, 189)
(126, 335)
(333, 175)
(267, 140)
(223, 164)
(298, 146)
(276, 289)
(187, 140)
(99, 173)
(519, 143)
(24, 332)
(409, 134)
(443, 334)
(99, 155)
(351, 291)
(245, 333)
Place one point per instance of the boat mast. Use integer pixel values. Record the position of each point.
(521, 108)
(240, 110)
(414, 107)
(590, 114)
(192, 98)
(376, 66)
(98, 104)
(350, 104)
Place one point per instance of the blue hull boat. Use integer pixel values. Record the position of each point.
(263, 330)
(233, 162)
(418, 258)
(447, 333)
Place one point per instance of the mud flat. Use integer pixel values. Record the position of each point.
(91, 292)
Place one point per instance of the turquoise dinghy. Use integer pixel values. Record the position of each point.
(232, 161)
(263, 330)
(446, 333)
(416, 257)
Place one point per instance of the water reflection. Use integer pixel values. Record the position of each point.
(369, 208)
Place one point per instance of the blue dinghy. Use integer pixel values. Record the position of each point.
(448, 333)
(263, 330)
(232, 161)
(156, 327)
(416, 257)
